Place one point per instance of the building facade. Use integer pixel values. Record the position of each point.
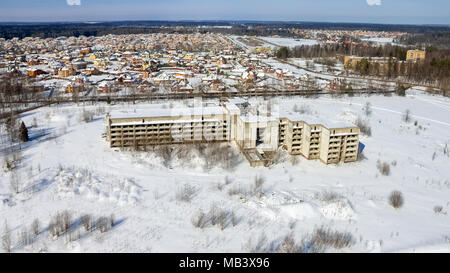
(255, 135)
(415, 55)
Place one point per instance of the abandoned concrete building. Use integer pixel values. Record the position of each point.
(257, 133)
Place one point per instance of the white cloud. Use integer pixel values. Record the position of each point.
(373, 2)
(74, 2)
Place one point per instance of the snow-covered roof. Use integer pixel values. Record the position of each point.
(175, 112)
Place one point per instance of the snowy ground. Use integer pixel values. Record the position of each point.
(380, 40)
(67, 165)
(289, 42)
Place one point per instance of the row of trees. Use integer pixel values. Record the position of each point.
(437, 38)
(331, 50)
(434, 69)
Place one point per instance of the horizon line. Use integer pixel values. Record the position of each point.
(218, 20)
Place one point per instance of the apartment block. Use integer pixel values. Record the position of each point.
(256, 134)
(316, 141)
(174, 126)
(415, 55)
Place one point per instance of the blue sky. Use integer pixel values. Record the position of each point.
(370, 11)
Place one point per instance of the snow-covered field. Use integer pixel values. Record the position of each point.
(67, 165)
(289, 42)
(380, 40)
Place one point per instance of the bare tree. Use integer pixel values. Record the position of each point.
(258, 186)
(112, 220)
(86, 221)
(368, 109)
(185, 193)
(407, 116)
(14, 182)
(103, 224)
(35, 226)
(25, 238)
(6, 239)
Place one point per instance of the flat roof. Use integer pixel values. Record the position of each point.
(167, 112)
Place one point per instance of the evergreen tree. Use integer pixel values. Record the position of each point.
(283, 53)
(23, 132)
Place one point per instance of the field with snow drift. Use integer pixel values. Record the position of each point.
(158, 204)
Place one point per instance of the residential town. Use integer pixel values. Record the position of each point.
(151, 64)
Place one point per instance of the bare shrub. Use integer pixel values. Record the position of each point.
(53, 228)
(228, 180)
(36, 226)
(103, 224)
(367, 109)
(87, 116)
(237, 190)
(396, 199)
(220, 186)
(183, 153)
(294, 160)
(407, 116)
(438, 209)
(199, 220)
(166, 152)
(234, 219)
(86, 221)
(34, 122)
(288, 245)
(277, 156)
(222, 219)
(258, 186)
(185, 193)
(17, 157)
(302, 109)
(8, 164)
(384, 168)
(66, 220)
(219, 155)
(433, 157)
(259, 247)
(364, 126)
(15, 183)
(216, 216)
(112, 220)
(213, 214)
(327, 196)
(25, 238)
(72, 235)
(325, 237)
(309, 245)
(6, 239)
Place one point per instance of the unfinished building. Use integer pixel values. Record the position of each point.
(256, 133)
